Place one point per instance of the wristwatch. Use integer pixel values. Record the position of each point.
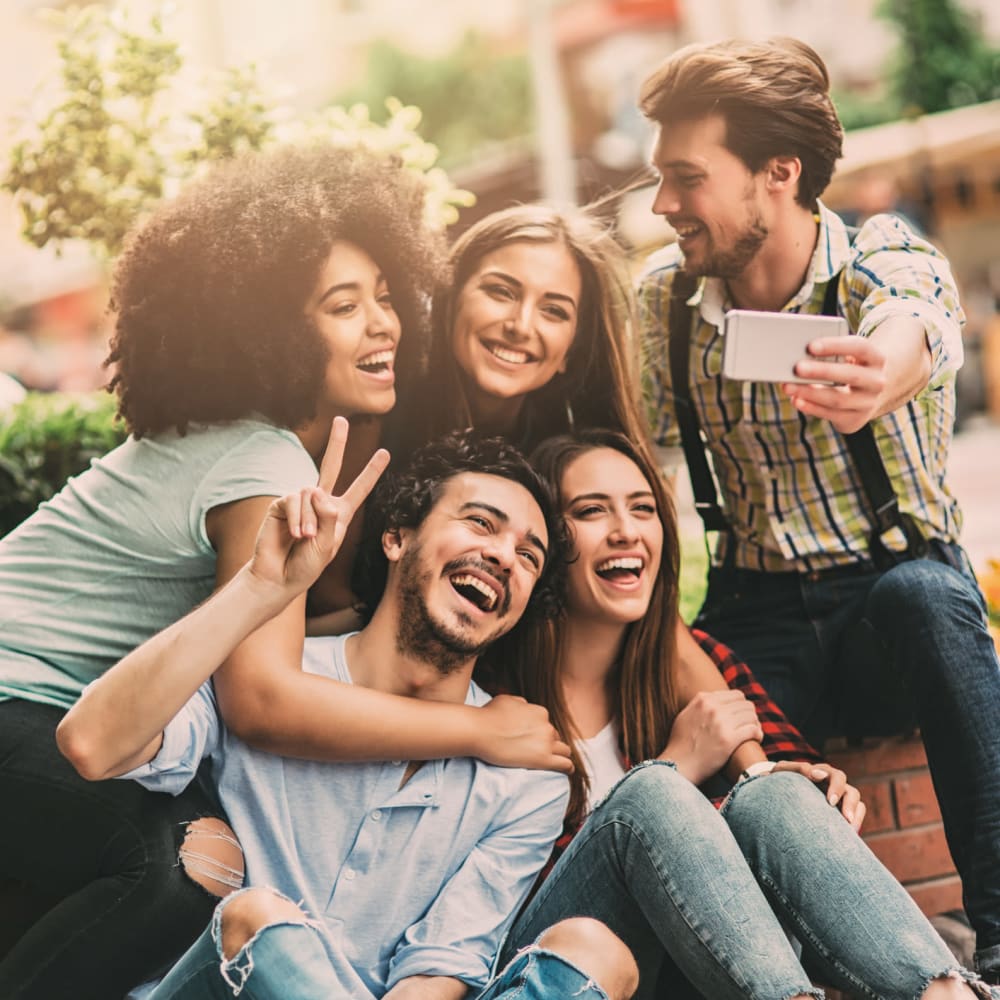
(758, 767)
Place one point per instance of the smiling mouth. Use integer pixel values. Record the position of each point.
(623, 569)
(380, 361)
(475, 591)
(687, 230)
(508, 354)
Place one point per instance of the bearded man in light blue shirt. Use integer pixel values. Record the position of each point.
(406, 873)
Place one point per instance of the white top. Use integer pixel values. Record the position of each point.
(604, 762)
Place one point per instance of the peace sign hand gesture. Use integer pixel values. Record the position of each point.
(303, 531)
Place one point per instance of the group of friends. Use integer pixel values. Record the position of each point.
(440, 465)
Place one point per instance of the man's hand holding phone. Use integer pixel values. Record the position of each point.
(824, 371)
(857, 367)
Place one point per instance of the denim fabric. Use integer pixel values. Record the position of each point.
(105, 852)
(669, 874)
(289, 961)
(537, 974)
(418, 875)
(657, 864)
(872, 653)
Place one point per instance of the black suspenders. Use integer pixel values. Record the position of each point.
(883, 506)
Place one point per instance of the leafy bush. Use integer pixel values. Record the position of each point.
(46, 439)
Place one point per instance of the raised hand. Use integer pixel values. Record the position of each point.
(707, 731)
(303, 531)
(516, 733)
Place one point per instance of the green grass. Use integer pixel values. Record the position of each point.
(694, 571)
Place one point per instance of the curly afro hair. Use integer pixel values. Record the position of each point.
(210, 291)
(404, 499)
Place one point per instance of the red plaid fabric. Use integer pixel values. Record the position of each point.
(782, 741)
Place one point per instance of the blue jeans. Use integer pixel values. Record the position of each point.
(868, 654)
(288, 961)
(671, 875)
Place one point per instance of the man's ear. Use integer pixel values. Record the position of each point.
(783, 173)
(393, 541)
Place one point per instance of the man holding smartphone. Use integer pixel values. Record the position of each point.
(847, 640)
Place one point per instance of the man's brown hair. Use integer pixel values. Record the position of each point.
(774, 97)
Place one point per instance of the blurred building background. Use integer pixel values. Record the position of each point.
(527, 99)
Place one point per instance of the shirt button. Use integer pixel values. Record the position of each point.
(349, 874)
(377, 815)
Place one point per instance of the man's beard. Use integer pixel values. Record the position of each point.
(732, 262)
(419, 636)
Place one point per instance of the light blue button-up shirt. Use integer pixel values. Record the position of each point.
(418, 880)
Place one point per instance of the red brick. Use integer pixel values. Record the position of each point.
(877, 796)
(913, 855)
(937, 895)
(881, 757)
(915, 800)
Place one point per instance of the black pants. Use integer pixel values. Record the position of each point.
(106, 854)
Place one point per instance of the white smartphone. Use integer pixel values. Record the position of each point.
(765, 346)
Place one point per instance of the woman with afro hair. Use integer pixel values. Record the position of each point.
(273, 295)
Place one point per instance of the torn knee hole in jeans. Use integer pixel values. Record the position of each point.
(212, 856)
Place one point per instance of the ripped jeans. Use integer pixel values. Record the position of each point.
(114, 904)
(670, 875)
(289, 961)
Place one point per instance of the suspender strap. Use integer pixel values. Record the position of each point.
(706, 498)
(876, 485)
(882, 501)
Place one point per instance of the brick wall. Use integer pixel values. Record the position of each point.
(903, 826)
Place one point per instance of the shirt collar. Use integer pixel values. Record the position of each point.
(833, 250)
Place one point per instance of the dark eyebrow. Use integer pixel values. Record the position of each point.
(518, 284)
(681, 165)
(607, 496)
(349, 286)
(502, 517)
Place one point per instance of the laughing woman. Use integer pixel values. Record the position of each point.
(270, 297)
(670, 874)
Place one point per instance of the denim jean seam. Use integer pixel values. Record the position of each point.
(801, 928)
(682, 907)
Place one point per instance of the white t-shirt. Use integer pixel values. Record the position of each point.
(604, 762)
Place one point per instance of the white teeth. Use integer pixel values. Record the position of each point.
(378, 358)
(686, 231)
(466, 580)
(506, 354)
(631, 562)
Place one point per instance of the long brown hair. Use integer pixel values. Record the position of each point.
(598, 387)
(644, 696)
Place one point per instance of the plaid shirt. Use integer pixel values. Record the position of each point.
(787, 483)
(782, 741)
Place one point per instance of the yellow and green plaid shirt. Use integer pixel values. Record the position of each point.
(788, 486)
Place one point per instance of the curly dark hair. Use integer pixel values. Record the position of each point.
(403, 499)
(210, 290)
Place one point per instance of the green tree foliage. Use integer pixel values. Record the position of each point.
(46, 439)
(123, 130)
(470, 97)
(942, 60)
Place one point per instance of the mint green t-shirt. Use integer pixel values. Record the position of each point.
(121, 551)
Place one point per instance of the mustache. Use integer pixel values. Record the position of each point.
(469, 562)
